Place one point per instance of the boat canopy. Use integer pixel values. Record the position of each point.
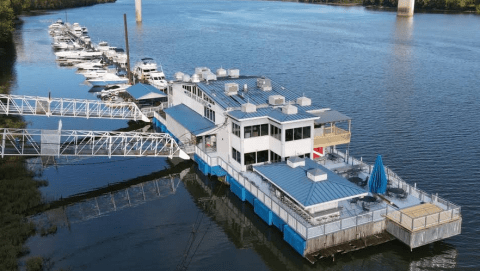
(378, 180)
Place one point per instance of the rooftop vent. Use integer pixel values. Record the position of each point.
(186, 78)
(195, 78)
(289, 109)
(231, 88)
(249, 108)
(295, 161)
(208, 75)
(178, 76)
(245, 87)
(264, 84)
(200, 70)
(234, 73)
(316, 175)
(276, 100)
(221, 72)
(304, 101)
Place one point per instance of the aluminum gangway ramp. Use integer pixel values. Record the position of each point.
(61, 107)
(36, 142)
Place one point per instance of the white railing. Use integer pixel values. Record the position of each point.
(449, 211)
(149, 111)
(286, 213)
(36, 142)
(60, 107)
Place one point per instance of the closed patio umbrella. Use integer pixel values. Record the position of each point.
(377, 183)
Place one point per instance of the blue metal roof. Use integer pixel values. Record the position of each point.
(272, 113)
(296, 184)
(216, 90)
(139, 90)
(191, 120)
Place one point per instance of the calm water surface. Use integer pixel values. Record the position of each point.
(410, 85)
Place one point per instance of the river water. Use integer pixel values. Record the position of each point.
(410, 85)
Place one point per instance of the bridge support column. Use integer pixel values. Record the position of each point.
(138, 10)
(405, 8)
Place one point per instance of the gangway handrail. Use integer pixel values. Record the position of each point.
(37, 142)
(69, 107)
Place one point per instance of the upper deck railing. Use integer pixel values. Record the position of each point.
(332, 136)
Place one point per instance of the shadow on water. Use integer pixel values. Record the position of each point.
(247, 230)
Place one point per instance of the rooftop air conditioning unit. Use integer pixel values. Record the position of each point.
(209, 76)
(231, 88)
(249, 108)
(304, 101)
(200, 70)
(276, 100)
(221, 72)
(178, 76)
(264, 84)
(234, 73)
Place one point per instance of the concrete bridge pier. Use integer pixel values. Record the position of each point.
(138, 10)
(405, 8)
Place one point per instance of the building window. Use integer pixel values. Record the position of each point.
(255, 130)
(275, 157)
(306, 155)
(236, 129)
(236, 156)
(262, 156)
(250, 158)
(256, 157)
(209, 114)
(275, 132)
(297, 133)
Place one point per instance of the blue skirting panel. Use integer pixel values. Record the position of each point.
(278, 222)
(236, 188)
(262, 211)
(218, 171)
(249, 197)
(295, 240)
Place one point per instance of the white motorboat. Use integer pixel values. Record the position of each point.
(157, 79)
(102, 46)
(82, 55)
(93, 74)
(143, 68)
(108, 79)
(58, 24)
(95, 64)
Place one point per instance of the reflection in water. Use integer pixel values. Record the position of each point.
(91, 205)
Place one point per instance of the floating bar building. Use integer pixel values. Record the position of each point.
(278, 151)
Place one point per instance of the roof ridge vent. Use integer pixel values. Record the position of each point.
(289, 109)
(317, 175)
(264, 84)
(195, 78)
(296, 161)
(231, 89)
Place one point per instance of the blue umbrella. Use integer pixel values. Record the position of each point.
(377, 183)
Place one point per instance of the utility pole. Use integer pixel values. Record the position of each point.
(129, 74)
